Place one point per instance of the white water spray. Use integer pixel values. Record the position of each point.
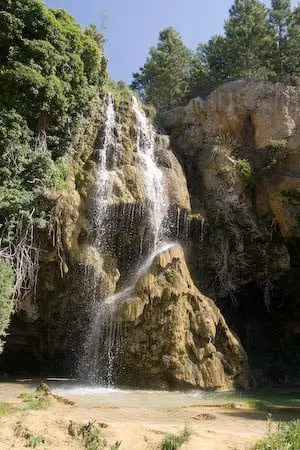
(152, 175)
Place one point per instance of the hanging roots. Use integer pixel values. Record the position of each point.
(23, 257)
(55, 233)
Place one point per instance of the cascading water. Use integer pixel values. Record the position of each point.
(105, 333)
(152, 175)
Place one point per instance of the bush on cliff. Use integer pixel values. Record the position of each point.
(6, 305)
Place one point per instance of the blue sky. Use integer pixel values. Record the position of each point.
(132, 26)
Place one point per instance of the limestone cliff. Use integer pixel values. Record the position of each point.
(240, 151)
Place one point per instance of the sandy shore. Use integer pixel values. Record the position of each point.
(138, 429)
(215, 427)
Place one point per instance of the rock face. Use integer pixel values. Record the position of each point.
(240, 151)
(175, 336)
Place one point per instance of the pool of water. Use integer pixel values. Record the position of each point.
(102, 396)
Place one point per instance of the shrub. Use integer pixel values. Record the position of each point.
(175, 441)
(286, 437)
(227, 142)
(35, 441)
(246, 170)
(36, 400)
(293, 195)
(6, 305)
(276, 145)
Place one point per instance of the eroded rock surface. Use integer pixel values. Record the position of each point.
(175, 336)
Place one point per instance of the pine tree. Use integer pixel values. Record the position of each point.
(280, 16)
(164, 78)
(292, 60)
(200, 81)
(219, 60)
(250, 40)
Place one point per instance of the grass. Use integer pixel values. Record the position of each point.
(257, 404)
(35, 441)
(286, 437)
(35, 401)
(116, 445)
(92, 437)
(32, 441)
(6, 408)
(175, 441)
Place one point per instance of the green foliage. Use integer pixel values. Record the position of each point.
(92, 437)
(164, 78)
(246, 170)
(293, 195)
(120, 90)
(250, 40)
(116, 445)
(286, 437)
(5, 408)
(257, 404)
(226, 142)
(35, 441)
(258, 43)
(6, 305)
(36, 400)
(280, 16)
(50, 71)
(175, 441)
(276, 145)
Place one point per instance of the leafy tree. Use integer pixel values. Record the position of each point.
(50, 70)
(6, 305)
(250, 40)
(280, 16)
(164, 78)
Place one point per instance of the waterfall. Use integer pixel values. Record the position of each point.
(103, 185)
(152, 175)
(104, 332)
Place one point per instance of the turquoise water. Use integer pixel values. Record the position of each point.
(101, 396)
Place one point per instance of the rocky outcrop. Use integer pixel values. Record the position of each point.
(175, 336)
(263, 119)
(240, 151)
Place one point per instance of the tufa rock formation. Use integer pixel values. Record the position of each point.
(175, 336)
